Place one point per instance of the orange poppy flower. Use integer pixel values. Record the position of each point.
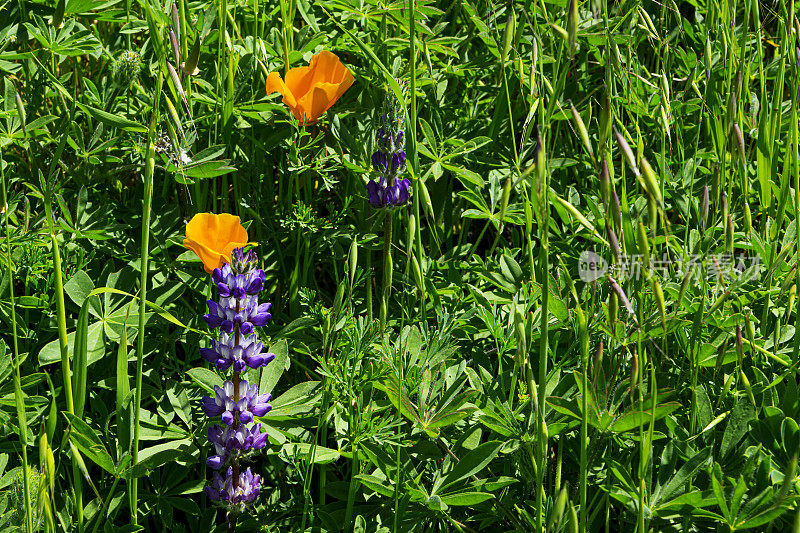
(213, 238)
(310, 91)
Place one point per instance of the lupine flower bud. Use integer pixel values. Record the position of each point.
(127, 68)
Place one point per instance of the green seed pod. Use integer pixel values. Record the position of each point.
(614, 243)
(643, 245)
(650, 180)
(573, 524)
(43, 446)
(582, 131)
(558, 30)
(572, 26)
(748, 219)
(707, 58)
(412, 232)
(792, 297)
(508, 38)
(613, 311)
(597, 362)
(605, 123)
(519, 333)
(605, 182)
(21, 113)
(626, 151)
(417, 273)
(739, 345)
(729, 235)
(616, 211)
(747, 388)
(557, 511)
(739, 141)
(659, 294)
(704, 206)
(353, 260)
(426, 199)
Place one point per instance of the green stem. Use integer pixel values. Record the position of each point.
(387, 270)
(145, 255)
(18, 397)
(544, 262)
(62, 343)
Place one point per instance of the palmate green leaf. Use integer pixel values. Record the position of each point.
(682, 477)
(398, 398)
(51, 353)
(300, 400)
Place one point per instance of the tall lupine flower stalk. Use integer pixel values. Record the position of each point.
(389, 191)
(236, 313)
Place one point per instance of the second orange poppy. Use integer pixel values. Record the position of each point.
(312, 90)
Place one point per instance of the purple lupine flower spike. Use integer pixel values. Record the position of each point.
(236, 403)
(389, 160)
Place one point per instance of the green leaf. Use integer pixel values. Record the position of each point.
(466, 498)
(473, 462)
(375, 484)
(209, 169)
(205, 378)
(159, 455)
(632, 419)
(86, 440)
(738, 423)
(273, 371)
(112, 120)
(302, 450)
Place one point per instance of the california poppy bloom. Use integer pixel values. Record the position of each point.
(312, 90)
(213, 238)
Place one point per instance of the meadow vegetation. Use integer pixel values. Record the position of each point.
(532, 265)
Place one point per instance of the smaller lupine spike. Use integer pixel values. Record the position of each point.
(389, 160)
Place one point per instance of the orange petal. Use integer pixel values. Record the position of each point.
(210, 258)
(276, 85)
(322, 97)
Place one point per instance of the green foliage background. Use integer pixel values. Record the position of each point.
(535, 131)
